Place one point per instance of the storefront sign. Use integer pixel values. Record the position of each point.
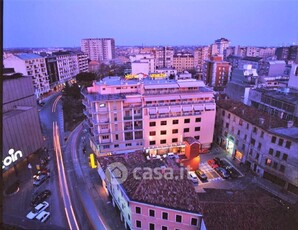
(158, 75)
(13, 156)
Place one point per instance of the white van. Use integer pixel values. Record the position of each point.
(193, 177)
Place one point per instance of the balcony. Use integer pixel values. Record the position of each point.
(127, 118)
(128, 128)
(102, 131)
(137, 117)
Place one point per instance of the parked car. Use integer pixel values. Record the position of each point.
(193, 177)
(201, 174)
(43, 216)
(233, 173)
(222, 172)
(37, 209)
(40, 197)
(40, 179)
(40, 172)
(213, 164)
(218, 161)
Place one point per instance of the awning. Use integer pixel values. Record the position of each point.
(175, 109)
(160, 86)
(151, 98)
(133, 99)
(211, 106)
(189, 96)
(163, 110)
(187, 108)
(152, 111)
(198, 107)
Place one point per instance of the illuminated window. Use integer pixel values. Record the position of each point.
(268, 162)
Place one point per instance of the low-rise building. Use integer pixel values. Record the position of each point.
(142, 63)
(183, 61)
(266, 143)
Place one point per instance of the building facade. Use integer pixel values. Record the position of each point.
(164, 57)
(31, 65)
(21, 127)
(217, 72)
(82, 59)
(201, 54)
(151, 114)
(183, 61)
(267, 144)
(99, 49)
(142, 63)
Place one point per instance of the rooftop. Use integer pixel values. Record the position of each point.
(27, 56)
(290, 97)
(251, 114)
(177, 193)
(255, 59)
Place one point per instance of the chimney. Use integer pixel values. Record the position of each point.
(290, 124)
(261, 121)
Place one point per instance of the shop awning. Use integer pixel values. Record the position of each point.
(198, 107)
(163, 110)
(186, 108)
(175, 109)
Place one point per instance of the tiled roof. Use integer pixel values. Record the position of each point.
(177, 193)
(28, 56)
(251, 114)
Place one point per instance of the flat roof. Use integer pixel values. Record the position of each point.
(28, 56)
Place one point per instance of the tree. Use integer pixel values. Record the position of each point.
(85, 78)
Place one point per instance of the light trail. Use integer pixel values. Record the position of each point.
(55, 103)
(71, 218)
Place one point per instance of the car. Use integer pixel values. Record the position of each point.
(43, 216)
(201, 174)
(40, 197)
(222, 172)
(213, 164)
(40, 179)
(233, 173)
(192, 176)
(37, 209)
(218, 161)
(42, 171)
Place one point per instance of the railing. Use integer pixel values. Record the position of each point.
(127, 117)
(165, 115)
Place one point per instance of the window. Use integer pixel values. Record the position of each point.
(178, 218)
(151, 226)
(175, 122)
(274, 165)
(227, 125)
(288, 144)
(285, 157)
(163, 141)
(238, 132)
(105, 137)
(175, 131)
(164, 215)
(186, 120)
(197, 128)
(194, 221)
(139, 224)
(105, 146)
(163, 132)
(262, 134)
(259, 146)
(116, 136)
(197, 137)
(271, 151)
(128, 144)
(245, 137)
(186, 130)
(282, 168)
(223, 112)
(116, 146)
(252, 141)
(277, 154)
(229, 115)
(174, 140)
(280, 141)
(152, 123)
(138, 210)
(163, 123)
(151, 212)
(164, 228)
(152, 142)
(273, 139)
(240, 122)
(198, 119)
(152, 133)
(257, 156)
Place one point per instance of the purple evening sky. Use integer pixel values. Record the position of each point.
(57, 23)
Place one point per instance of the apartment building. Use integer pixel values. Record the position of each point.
(99, 49)
(217, 72)
(201, 54)
(183, 61)
(155, 203)
(67, 64)
(151, 114)
(82, 59)
(22, 134)
(31, 65)
(266, 143)
(164, 57)
(289, 54)
(142, 63)
(221, 45)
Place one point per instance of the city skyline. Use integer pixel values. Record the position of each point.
(173, 23)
